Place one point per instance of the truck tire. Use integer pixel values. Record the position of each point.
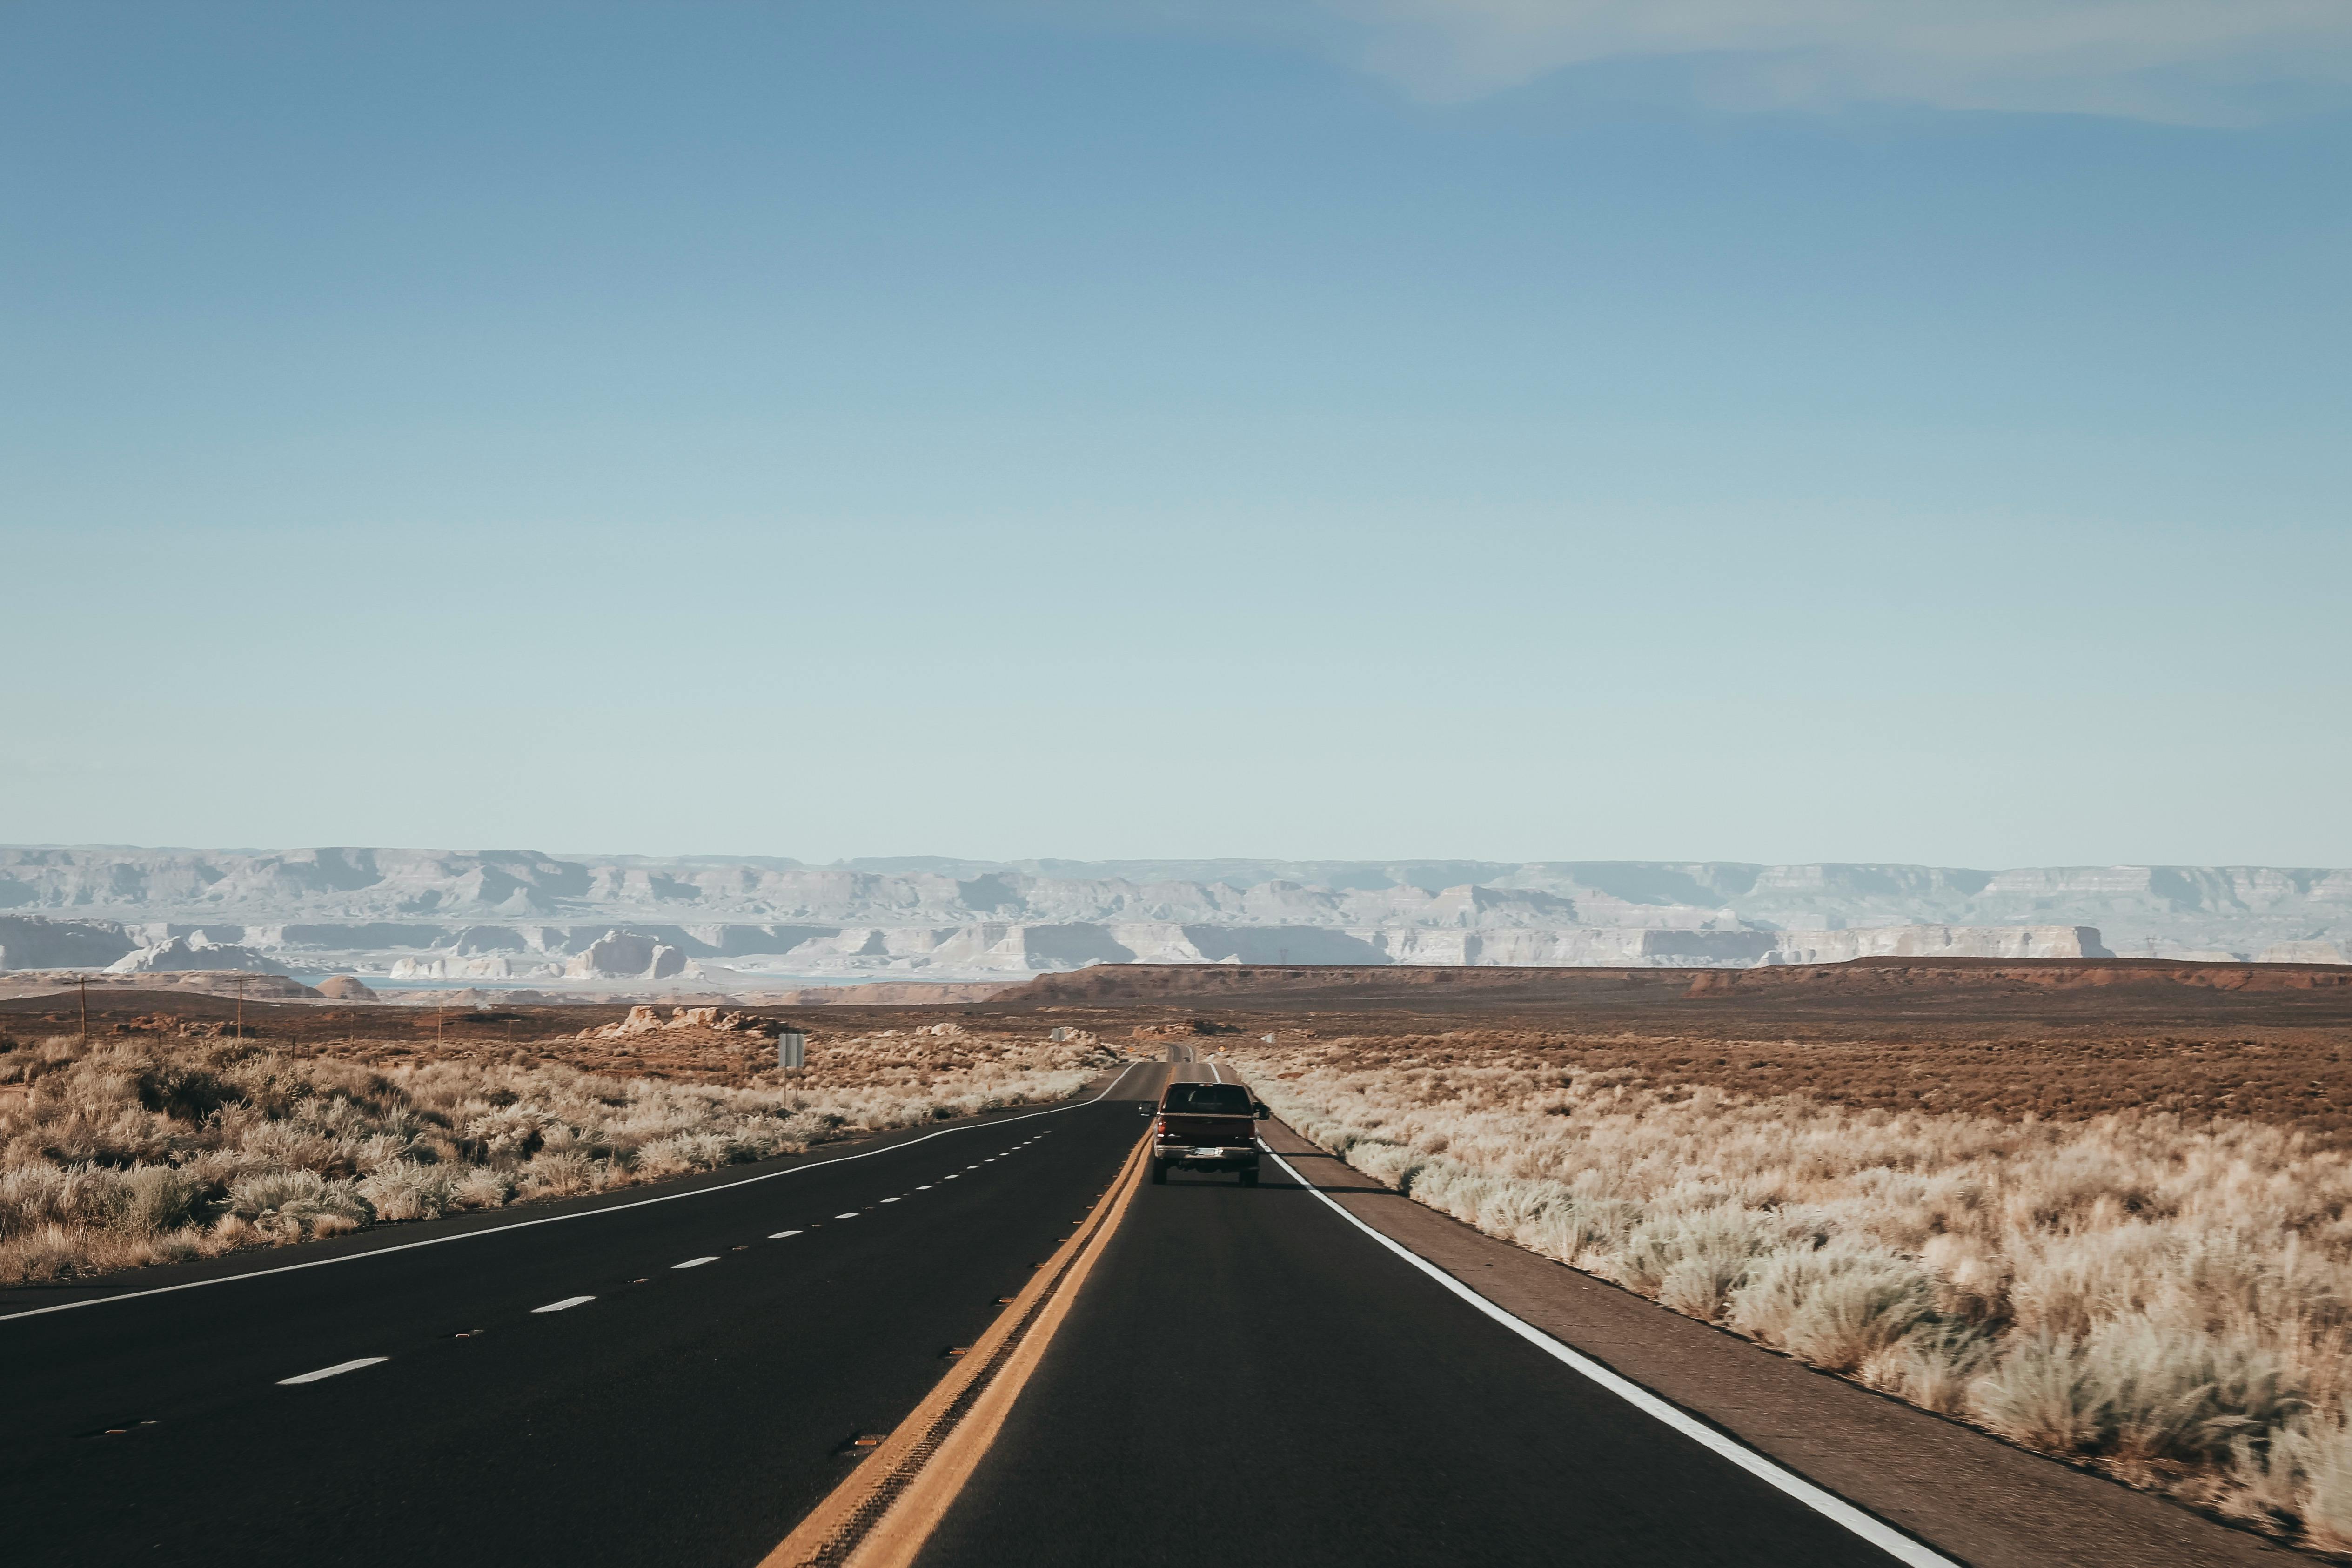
(1160, 1173)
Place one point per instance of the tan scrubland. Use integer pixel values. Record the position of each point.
(2167, 1300)
(167, 1147)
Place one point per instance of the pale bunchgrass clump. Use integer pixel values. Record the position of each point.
(2170, 1302)
(144, 1151)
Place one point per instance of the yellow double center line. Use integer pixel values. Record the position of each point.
(881, 1516)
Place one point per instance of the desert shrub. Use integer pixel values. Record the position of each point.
(183, 1091)
(558, 1173)
(287, 1206)
(153, 1199)
(2044, 1395)
(404, 1189)
(2316, 1457)
(1835, 1306)
(1933, 1366)
(1694, 1259)
(481, 1187)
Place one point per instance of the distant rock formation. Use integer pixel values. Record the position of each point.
(495, 967)
(645, 1020)
(627, 955)
(195, 953)
(2301, 952)
(346, 988)
(900, 994)
(1938, 942)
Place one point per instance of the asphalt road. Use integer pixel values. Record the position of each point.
(1248, 1377)
(683, 1415)
(1245, 1372)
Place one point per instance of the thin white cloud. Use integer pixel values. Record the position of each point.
(2191, 61)
(2171, 59)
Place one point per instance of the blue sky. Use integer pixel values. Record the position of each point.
(1416, 427)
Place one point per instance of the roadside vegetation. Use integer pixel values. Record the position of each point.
(124, 1153)
(2167, 1300)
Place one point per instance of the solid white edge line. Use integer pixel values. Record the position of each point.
(696, 1262)
(1879, 1534)
(336, 1370)
(560, 1218)
(779, 1234)
(563, 1306)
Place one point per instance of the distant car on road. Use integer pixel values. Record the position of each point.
(1207, 1127)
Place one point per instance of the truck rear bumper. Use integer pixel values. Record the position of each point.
(1191, 1156)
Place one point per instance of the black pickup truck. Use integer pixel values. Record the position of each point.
(1206, 1127)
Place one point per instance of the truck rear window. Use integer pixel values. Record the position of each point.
(1209, 1099)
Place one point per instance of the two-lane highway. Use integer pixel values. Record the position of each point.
(1248, 1377)
(1239, 1372)
(673, 1381)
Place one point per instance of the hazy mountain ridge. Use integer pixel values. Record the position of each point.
(502, 913)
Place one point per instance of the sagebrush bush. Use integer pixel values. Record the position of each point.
(2170, 1302)
(1836, 1306)
(140, 1152)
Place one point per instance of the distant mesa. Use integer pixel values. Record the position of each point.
(711, 926)
(225, 983)
(29, 941)
(346, 988)
(195, 951)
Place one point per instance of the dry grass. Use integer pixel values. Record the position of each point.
(2167, 1300)
(157, 1150)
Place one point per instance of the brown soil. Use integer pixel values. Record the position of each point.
(1872, 990)
(2062, 1039)
(382, 1036)
(2301, 1083)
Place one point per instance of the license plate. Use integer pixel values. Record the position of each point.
(1207, 1153)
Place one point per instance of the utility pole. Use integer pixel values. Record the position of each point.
(85, 1011)
(240, 1006)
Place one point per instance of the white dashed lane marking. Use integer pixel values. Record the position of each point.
(696, 1262)
(852, 1215)
(956, 1177)
(779, 1236)
(889, 1200)
(924, 1188)
(566, 1304)
(336, 1370)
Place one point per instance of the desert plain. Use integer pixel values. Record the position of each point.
(2100, 1208)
